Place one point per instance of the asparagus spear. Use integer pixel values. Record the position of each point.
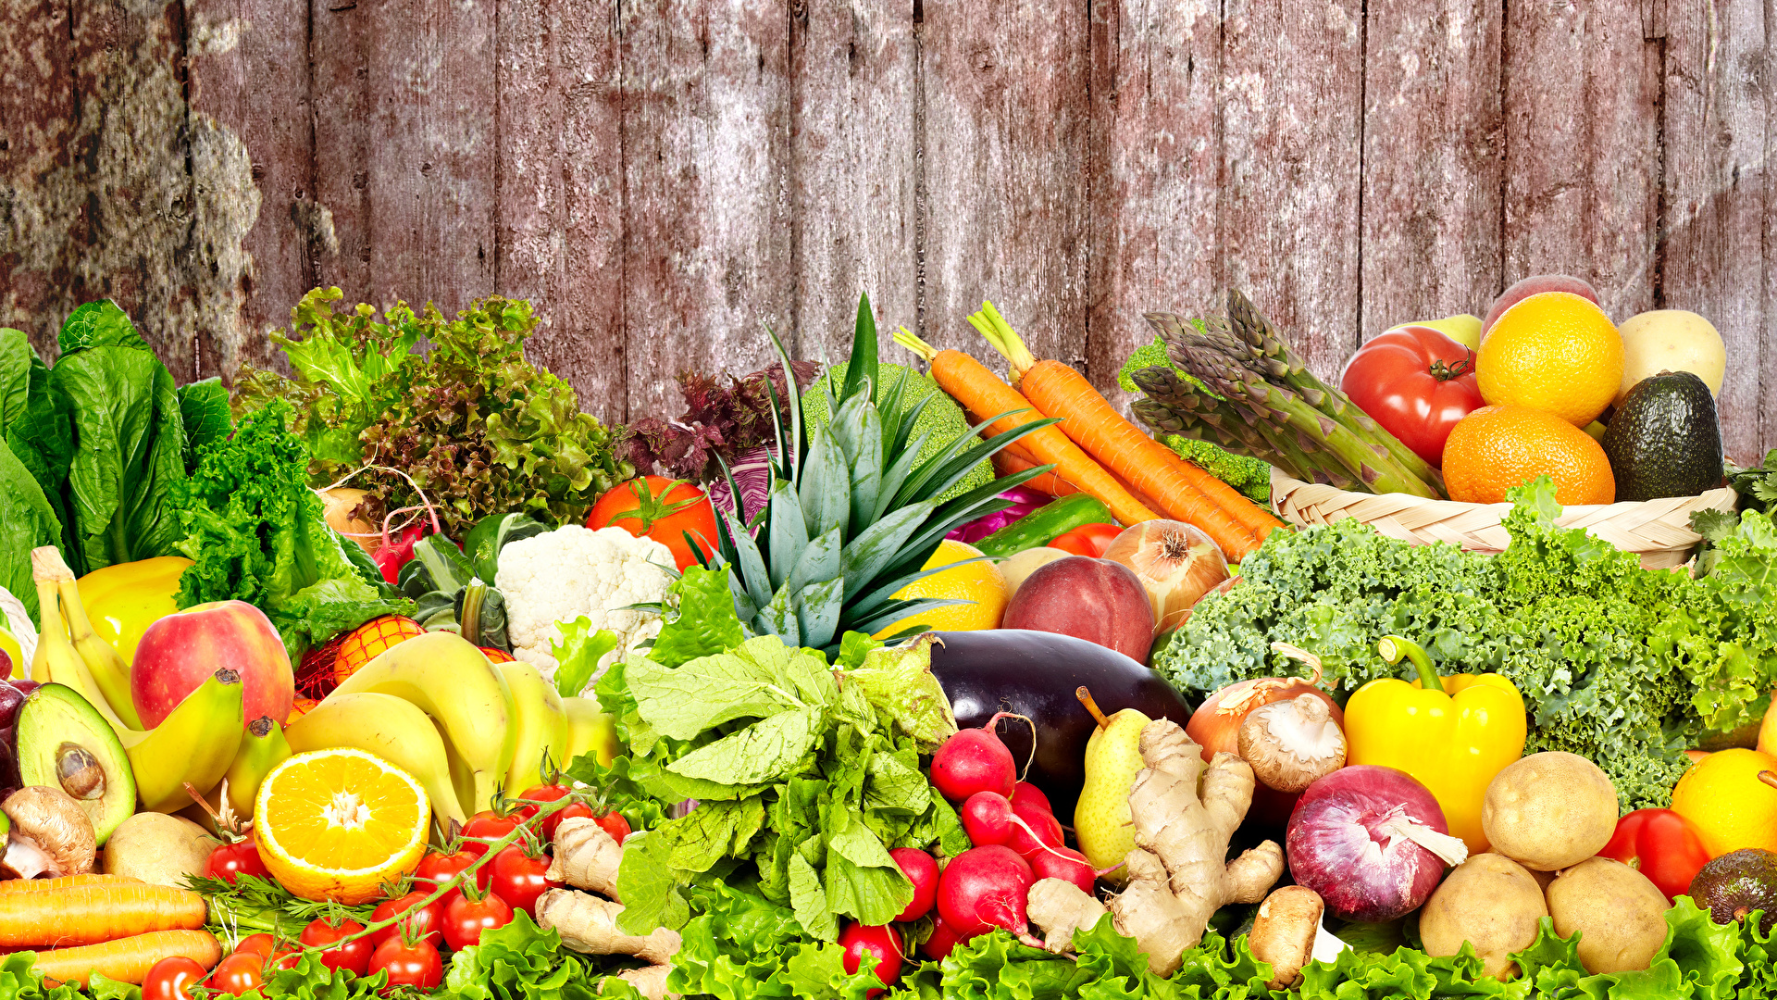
(1175, 407)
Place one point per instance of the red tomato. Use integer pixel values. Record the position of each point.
(547, 793)
(1087, 540)
(435, 869)
(466, 918)
(259, 944)
(170, 979)
(353, 955)
(238, 858)
(662, 509)
(1660, 844)
(1417, 383)
(422, 924)
(237, 974)
(408, 964)
(519, 878)
(614, 824)
(489, 825)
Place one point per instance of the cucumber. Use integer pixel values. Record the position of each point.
(1057, 517)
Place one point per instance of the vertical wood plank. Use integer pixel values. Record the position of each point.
(340, 64)
(37, 118)
(1006, 128)
(1717, 198)
(249, 70)
(853, 75)
(1582, 147)
(1434, 142)
(1155, 153)
(561, 188)
(706, 204)
(1292, 177)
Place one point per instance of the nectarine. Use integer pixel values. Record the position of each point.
(177, 652)
(1092, 599)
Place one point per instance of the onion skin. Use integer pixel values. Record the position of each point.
(339, 503)
(1177, 563)
(1215, 726)
(1333, 848)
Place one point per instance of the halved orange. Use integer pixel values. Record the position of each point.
(336, 824)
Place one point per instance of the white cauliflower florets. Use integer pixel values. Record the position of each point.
(563, 574)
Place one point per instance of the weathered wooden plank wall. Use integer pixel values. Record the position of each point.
(663, 176)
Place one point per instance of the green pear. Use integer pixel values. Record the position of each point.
(1464, 328)
(1101, 817)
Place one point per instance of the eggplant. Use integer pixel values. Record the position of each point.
(1034, 674)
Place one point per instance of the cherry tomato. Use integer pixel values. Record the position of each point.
(408, 964)
(1417, 383)
(490, 825)
(170, 979)
(578, 810)
(353, 955)
(615, 825)
(284, 958)
(1086, 540)
(259, 944)
(435, 869)
(238, 858)
(237, 974)
(466, 918)
(1660, 844)
(548, 793)
(519, 878)
(422, 924)
(663, 509)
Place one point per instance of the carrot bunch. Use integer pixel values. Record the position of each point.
(103, 923)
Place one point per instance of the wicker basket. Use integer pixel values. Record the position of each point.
(1657, 530)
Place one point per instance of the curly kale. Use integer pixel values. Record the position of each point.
(1624, 666)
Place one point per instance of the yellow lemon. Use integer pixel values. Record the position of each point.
(1731, 807)
(978, 582)
(1556, 352)
(337, 824)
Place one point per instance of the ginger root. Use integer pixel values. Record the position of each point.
(1283, 933)
(1184, 813)
(588, 924)
(649, 980)
(586, 857)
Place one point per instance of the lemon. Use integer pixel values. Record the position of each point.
(1730, 806)
(978, 582)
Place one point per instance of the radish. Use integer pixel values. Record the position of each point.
(987, 818)
(974, 760)
(1025, 793)
(1035, 828)
(939, 945)
(922, 870)
(983, 888)
(880, 946)
(1063, 863)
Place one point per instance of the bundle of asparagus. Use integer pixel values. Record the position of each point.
(1263, 402)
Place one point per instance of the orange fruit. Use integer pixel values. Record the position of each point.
(1730, 806)
(979, 583)
(1554, 351)
(370, 640)
(337, 824)
(1498, 447)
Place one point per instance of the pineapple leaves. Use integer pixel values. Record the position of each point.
(858, 428)
(750, 563)
(878, 545)
(861, 370)
(943, 470)
(868, 604)
(818, 606)
(788, 532)
(779, 619)
(825, 490)
(819, 561)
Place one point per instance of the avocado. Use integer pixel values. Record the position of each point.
(1732, 886)
(63, 742)
(1665, 440)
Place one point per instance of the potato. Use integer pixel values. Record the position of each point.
(1671, 340)
(158, 848)
(1549, 810)
(1489, 901)
(1619, 915)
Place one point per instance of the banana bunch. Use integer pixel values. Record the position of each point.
(468, 729)
(197, 744)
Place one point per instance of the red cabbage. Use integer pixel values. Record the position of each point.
(1024, 500)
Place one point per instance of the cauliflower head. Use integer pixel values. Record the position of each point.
(561, 575)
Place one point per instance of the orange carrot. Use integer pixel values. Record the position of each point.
(1008, 464)
(65, 882)
(90, 913)
(981, 391)
(127, 960)
(1184, 491)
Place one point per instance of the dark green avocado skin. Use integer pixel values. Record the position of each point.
(1738, 884)
(1666, 439)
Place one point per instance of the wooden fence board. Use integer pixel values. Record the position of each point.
(340, 62)
(1291, 181)
(1717, 196)
(36, 122)
(1006, 128)
(1431, 86)
(1156, 154)
(706, 208)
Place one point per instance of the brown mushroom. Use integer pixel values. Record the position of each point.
(51, 835)
(1291, 743)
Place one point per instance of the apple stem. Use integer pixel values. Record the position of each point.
(1086, 699)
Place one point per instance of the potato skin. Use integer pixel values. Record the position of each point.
(157, 848)
(1490, 901)
(1619, 914)
(1549, 811)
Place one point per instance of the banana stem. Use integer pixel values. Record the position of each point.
(1394, 647)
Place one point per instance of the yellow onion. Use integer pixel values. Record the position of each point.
(340, 502)
(1176, 563)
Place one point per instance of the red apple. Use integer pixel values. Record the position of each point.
(177, 652)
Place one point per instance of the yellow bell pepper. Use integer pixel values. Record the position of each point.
(1451, 733)
(124, 599)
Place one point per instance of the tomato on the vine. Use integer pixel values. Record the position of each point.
(519, 877)
(435, 869)
(488, 824)
(1087, 540)
(547, 794)
(170, 979)
(353, 955)
(408, 964)
(238, 858)
(614, 824)
(1417, 383)
(467, 916)
(259, 944)
(237, 974)
(420, 922)
(663, 509)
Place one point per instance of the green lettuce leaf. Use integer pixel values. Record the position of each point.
(26, 521)
(704, 623)
(578, 652)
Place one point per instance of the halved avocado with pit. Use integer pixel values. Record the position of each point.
(63, 742)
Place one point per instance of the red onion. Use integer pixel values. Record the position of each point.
(1372, 841)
